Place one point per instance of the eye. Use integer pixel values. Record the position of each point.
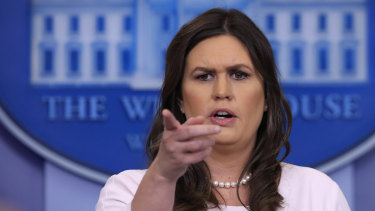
(204, 77)
(239, 75)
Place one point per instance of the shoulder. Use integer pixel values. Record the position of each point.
(304, 174)
(120, 189)
(126, 181)
(304, 188)
(129, 177)
(306, 178)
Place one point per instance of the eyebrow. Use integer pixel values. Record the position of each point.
(239, 66)
(236, 66)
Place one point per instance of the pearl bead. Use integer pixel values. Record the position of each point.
(227, 184)
(231, 184)
(221, 184)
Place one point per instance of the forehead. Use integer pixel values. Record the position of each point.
(219, 50)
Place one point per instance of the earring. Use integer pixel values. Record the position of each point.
(180, 104)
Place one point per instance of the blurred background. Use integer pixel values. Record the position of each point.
(79, 82)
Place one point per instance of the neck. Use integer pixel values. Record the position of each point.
(226, 163)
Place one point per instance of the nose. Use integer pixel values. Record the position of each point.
(222, 89)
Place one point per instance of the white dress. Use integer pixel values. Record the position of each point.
(303, 189)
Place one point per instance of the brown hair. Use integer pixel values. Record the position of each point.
(194, 189)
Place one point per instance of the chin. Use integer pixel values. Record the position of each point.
(224, 139)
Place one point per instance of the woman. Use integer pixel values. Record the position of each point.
(222, 122)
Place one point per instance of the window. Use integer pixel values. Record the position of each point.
(270, 23)
(275, 52)
(47, 58)
(165, 23)
(322, 22)
(126, 58)
(48, 61)
(74, 24)
(125, 61)
(323, 60)
(99, 57)
(100, 24)
(322, 57)
(127, 24)
(163, 57)
(73, 51)
(74, 61)
(296, 60)
(348, 22)
(296, 22)
(275, 49)
(348, 48)
(100, 61)
(296, 57)
(48, 25)
(349, 61)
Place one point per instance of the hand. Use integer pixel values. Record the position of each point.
(182, 145)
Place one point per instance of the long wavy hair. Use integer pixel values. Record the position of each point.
(194, 190)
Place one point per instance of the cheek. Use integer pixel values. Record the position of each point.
(194, 100)
(252, 104)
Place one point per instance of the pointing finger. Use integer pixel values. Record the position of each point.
(194, 120)
(170, 122)
(192, 131)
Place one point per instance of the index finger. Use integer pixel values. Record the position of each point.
(193, 131)
(170, 122)
(194, 120)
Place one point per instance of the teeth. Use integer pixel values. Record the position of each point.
(222, 113)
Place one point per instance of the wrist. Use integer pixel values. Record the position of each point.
(160, 177)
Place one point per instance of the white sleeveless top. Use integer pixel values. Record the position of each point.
(303, 188)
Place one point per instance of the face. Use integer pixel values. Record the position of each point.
(221, 84)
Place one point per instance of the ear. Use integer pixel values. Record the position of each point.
(181, 105)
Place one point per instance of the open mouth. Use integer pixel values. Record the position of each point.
(223, 115)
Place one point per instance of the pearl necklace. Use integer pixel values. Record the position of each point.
(231, 184)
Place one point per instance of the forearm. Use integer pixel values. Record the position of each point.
(179, 148)
(154, 192)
